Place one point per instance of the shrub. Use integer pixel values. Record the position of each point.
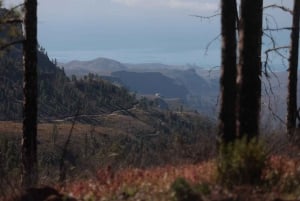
(183, 191)
(203, 189)
(283, 175)
(241, 162)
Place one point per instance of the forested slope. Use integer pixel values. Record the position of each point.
(58, 95)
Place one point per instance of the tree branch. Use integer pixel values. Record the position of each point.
(279, 7)
(3, 47)
(12, 21)
(276, 49)
(210, 42)
(206, 17)
(278, 29)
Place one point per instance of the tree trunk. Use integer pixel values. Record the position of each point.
(293, 72)
(29, 141)
(249, 68)
(227, 116)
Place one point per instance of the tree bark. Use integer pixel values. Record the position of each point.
(293, 72)
(249, 68)
(29, 141)
(227, 116)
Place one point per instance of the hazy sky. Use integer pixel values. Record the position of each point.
(133, 30)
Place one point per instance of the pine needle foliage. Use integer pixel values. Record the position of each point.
(241, 162)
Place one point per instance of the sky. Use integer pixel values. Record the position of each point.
(134, 31)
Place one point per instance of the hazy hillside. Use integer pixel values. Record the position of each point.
(197, 91)
(151, 83)
(199, 87)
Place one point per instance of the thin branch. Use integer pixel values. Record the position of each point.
(206, 17)
(3, 47)
(12, 21)
(273, 19)
(11, 10)
(17, 6)
(62, 168)
(276, 50)
(211, 42)
(279, 7)
(278, 29)
(275, 116)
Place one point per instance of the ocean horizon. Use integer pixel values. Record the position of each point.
(200, 58)
(136, 56)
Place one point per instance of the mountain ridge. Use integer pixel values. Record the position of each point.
(202, 86)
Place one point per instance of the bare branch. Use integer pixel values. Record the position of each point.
(17, 6)
(278, 29)
(12, 21)
(275, 116)
(62, 168)
(3, 47)
(276, 50)
(211, 42)
(206, 17)
(11, 12)
(273, 19)
(279, 7)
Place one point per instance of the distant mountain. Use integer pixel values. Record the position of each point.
(197, 87)
(151, 83)
(202, 93)
(101, 66)
(182, 82)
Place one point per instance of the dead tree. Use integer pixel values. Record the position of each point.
(249, 68)
(293, 72)
(227, 116)
(29, 141)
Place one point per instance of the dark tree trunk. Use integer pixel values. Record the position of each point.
(227, 116)
(249, 68)
(293, 72)
(29, 141)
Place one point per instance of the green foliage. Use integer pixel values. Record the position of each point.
(129, 192)
(183, 191)
(9, 157)
(241, 162)
(203, 189)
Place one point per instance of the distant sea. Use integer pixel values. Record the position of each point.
(173, 57)
(199, 57)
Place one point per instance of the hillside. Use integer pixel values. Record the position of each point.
(59, 96)
(151, 83)
(199, 88)
(194, 88)
(101, 66)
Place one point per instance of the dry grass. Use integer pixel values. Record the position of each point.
(155, 183)
(139, 184)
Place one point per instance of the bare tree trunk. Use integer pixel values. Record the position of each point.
(227, 116)
(293, 72)
(249, 68)
(29, 141)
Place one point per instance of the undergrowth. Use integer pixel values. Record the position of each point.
(241, 162)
